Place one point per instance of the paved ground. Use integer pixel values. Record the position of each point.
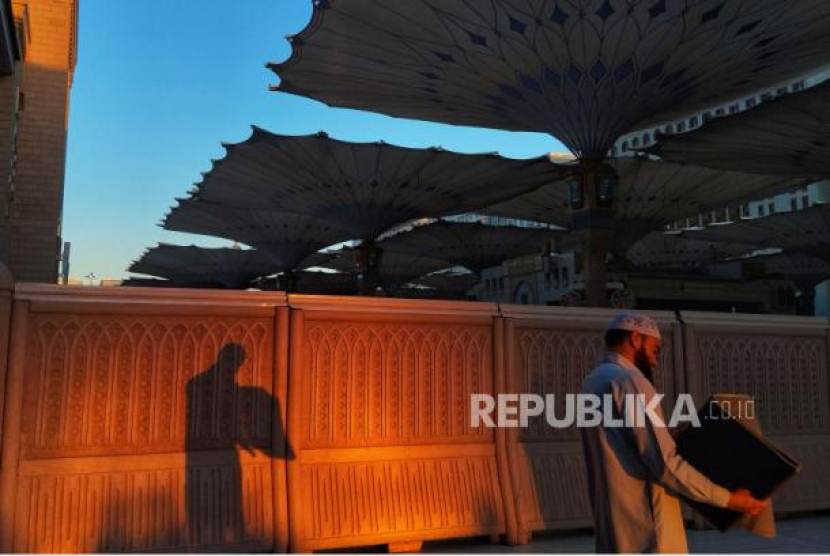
(809, 535)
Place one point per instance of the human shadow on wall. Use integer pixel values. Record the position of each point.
(224, 418)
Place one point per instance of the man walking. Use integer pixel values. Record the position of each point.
(634, 472)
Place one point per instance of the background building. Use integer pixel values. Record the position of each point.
(39, 47)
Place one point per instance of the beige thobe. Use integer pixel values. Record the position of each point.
(635, 474)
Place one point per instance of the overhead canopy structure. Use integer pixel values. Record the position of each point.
(449, 282)
(363, 188)
(585, 71)
(803, 271)
(315, 282)
(287, 237)
(650, 195)
(395, 269)
(203, 266)
(806, 231)
(474, 245)
(788, 136)
(671, 252)
(161, 283)
(798, 267)
(333, 283)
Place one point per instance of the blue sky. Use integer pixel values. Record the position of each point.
(157, 90)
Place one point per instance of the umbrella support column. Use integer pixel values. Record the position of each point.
(368, 267)
(593, 253)
(287, 282)
(591, 197)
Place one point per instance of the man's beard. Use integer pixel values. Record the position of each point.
(641, 362)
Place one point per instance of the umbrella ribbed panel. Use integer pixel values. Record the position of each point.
(395, 269)
(585, 71)
(364, 188)
(333, 283)
(409, 292)
(795, 265)
(287, 237)
(650, 195)
(162, 283)
(803, 270)
(671, 252)
(788, 136)
(472, 245)
(230, 268)
(450, 282)
(806, 231)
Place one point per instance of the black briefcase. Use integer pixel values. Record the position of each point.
(729, 448)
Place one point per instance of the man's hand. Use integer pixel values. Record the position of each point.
(742, 501)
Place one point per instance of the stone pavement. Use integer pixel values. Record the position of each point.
(804, 535)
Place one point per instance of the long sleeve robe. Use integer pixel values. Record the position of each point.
(635, 474)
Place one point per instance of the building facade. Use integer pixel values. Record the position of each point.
(41, 36)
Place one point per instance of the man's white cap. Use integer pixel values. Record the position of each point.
(635, 322)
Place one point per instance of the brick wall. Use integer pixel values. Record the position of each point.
(32, 215)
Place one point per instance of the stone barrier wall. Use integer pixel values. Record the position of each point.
(379, 422)
(141, 420)
(168, 420)
(783, 363)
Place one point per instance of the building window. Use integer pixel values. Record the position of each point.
(761, 210)
(624, 146)
(692, 122)
(781, 91)
(797, 86)
(766, 96)
(646, 139)
(613, 151)
(734, 109)
(668, 129)
(720, 112)
(805, 202)
(771, 208)
(681, 127)
(635, 142)
(750, 102)
(793, 204)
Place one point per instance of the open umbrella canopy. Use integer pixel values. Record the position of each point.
(651, 194)
(804, 270)
(364, 188)
(287, 237)
(218, 267)
(585, 71)
(473, 245)
(163, 283)
(787, 136)
(451, 282)
(670, 252)
(805, 231)
(395, 269)
(316, 282)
